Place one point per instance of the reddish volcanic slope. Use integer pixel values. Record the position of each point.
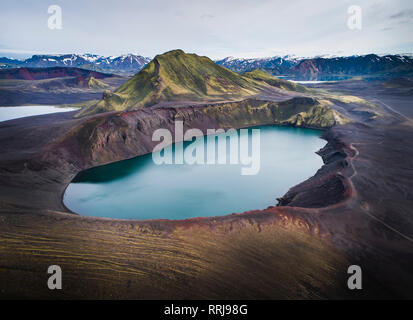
(49, 73)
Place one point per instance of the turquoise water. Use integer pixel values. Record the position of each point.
(140, 189)
(8, 113)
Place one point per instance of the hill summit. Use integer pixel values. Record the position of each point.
(177, 76)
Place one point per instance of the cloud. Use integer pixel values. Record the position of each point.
(207, 16)
(404, 15)
(2, 50)
(214, 28)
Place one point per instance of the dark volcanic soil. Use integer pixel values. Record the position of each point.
(51, 91)
(357, 209)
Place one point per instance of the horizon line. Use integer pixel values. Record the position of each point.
(30, 53)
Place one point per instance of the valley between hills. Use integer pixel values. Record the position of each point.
(356, 209)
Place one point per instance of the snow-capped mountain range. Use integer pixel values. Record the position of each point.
(128, 63)
(273, 64)
(324, 67)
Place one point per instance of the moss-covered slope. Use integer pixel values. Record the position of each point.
(261, 75)
(177, 76)
(91, 82)
(299, 111)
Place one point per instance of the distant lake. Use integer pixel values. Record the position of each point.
(140, 189)
(308, 82)
(320, 79)
(8, 113)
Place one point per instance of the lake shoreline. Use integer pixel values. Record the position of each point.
(92, 191)
(24, 111)
(69, 175)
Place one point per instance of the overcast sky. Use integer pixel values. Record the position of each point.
(216, 28)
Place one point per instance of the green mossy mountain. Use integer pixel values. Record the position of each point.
(91, 82)
(177, 76)
(261, 75)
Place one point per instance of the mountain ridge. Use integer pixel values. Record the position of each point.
(177, 76)
(54, 85)
(326, 68)
(128, 63)
(323, 67)
(26, 73)
(186, 78)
